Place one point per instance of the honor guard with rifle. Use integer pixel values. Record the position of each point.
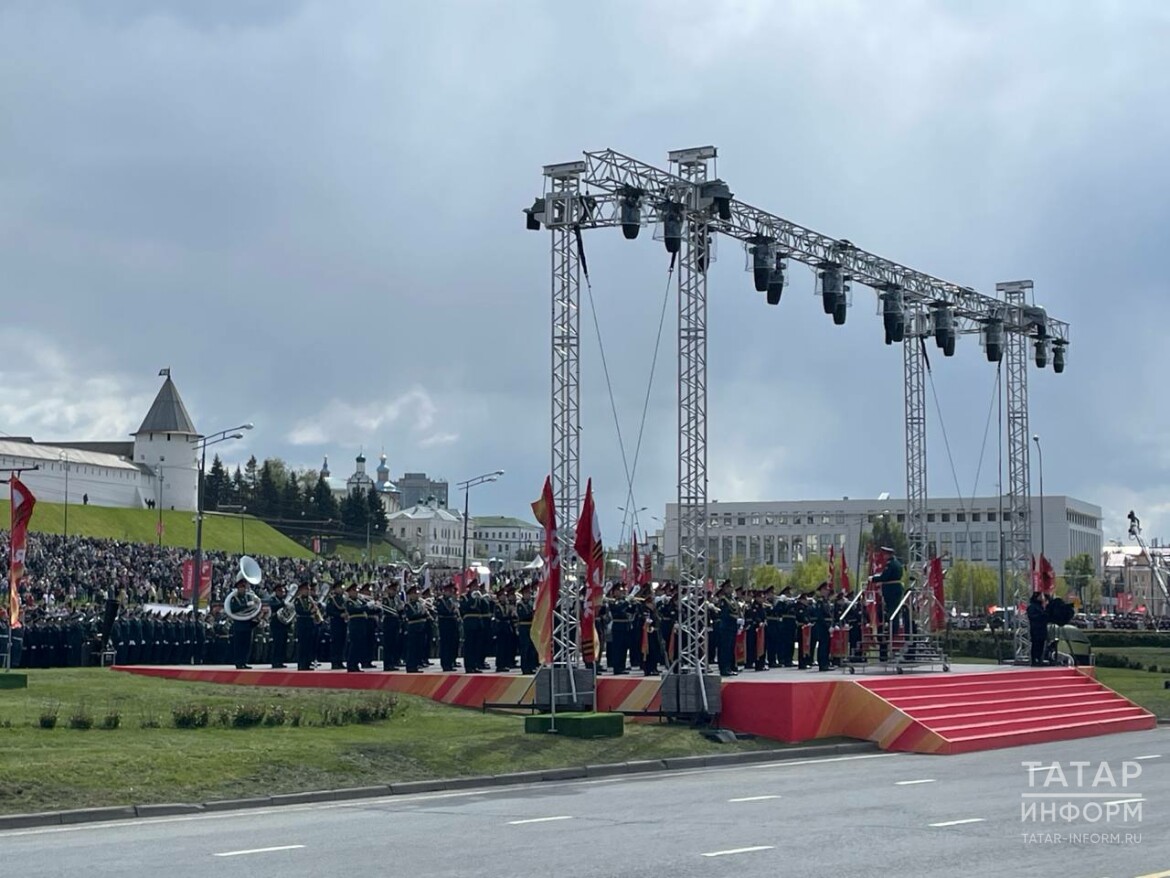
(335, 613)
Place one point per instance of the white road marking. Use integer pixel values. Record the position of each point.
(285, 847)
(537, 820)
(1152, 756)
(958, 822)
(907, 783)
(1165, 874)
(763, 847)
(753, 798)
(427, 797)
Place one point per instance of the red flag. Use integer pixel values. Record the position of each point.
(188, 572)
(588, 546)
(646, 575)
(23, 503)
(1047, 575)
(844, 574)
(1035, 575)
(832, 570)
(549, 591)
(935, 579)
(634, 571)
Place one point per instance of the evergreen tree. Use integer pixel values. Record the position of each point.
(291, 505)
(266, 499)
(239, 490)
(377, 512)
(251, 481)
(215, 484)
(355, 513)
(324, 503)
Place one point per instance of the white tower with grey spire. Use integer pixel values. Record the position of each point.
(165, 446)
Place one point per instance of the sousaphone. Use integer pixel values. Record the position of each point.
(249, 607)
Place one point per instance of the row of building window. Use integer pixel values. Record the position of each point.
(772, 519)
(769, 549)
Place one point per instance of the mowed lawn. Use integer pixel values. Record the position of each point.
(49, 769)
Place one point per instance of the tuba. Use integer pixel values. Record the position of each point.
(249, 572)
(286, 614)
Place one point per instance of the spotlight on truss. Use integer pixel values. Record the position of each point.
(1042, 353)
(717, 193)
(834, 291)
(893, 313)
(1058, 356)
(760, 255)
(630, 201)
(944, 328)
(991, 335)
(534, 215)
(672, 223)
(776, 281)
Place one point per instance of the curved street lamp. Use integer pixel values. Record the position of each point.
(467, 486)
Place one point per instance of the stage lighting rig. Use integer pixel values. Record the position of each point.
(1058, 347)
(534, 216)
(1041, 353)
(761, 252)
(672, 225)
(834, 290)
(776, 281)
(944, 327)
(893, 313)
(991, 334)
(630, 206)
(716, 193)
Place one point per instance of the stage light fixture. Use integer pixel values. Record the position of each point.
(776, 281)
(672, 225)
(718, 193)
(1042, 353)
(534, 215)
(630, 202)
(992, 337)
(893, 314)
(944, 328)
(1058, 347)
(760, 251)
(832, 286)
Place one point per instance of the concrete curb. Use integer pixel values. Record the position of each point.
(642, 766)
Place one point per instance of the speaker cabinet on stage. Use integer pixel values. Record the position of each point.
(582, 678)
(681, 695)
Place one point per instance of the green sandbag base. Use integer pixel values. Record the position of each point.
(13, 681)
(578, 725)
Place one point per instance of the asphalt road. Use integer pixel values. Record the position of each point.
(864, 816)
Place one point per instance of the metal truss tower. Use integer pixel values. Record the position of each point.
(1018, 545)
(914, 373)
(691, 166)
(564, 212)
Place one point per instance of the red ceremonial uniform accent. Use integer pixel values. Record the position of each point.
(759, 640)
(549, 591)
(741, 646)
(645, 637)
(839, 642)
(805, 638)
(23, 503)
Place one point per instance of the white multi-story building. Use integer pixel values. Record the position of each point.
(159, 467)
(434, 534)
(503, 538)
(781, 532)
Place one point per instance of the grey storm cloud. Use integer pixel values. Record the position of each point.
(310, 212)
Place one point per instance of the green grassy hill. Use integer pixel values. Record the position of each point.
(226, 533)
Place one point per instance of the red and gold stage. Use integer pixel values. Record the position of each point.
(972, 708)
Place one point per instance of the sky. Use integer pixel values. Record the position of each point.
(310, 213)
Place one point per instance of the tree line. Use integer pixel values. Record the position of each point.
(297, 502)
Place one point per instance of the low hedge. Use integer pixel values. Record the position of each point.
(1109, 646)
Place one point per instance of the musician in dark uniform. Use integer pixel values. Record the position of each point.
(729, 621)
(335, 611)
(277, 630)
(306, 627)
(525, 611)
(822, 619)
(786, 607)
(242, 629)
(392, 608)
(355, 632)
(447, 610)
(890, 580)
(417, 618)
(620, 618)
(771, 628)
(370, 629)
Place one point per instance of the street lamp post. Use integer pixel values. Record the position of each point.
(1040, 456)
(211, 439)
(467, 486)
(65, 457)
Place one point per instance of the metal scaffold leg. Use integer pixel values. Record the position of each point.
(1019, 505)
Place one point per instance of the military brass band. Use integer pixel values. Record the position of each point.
(410, 625)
